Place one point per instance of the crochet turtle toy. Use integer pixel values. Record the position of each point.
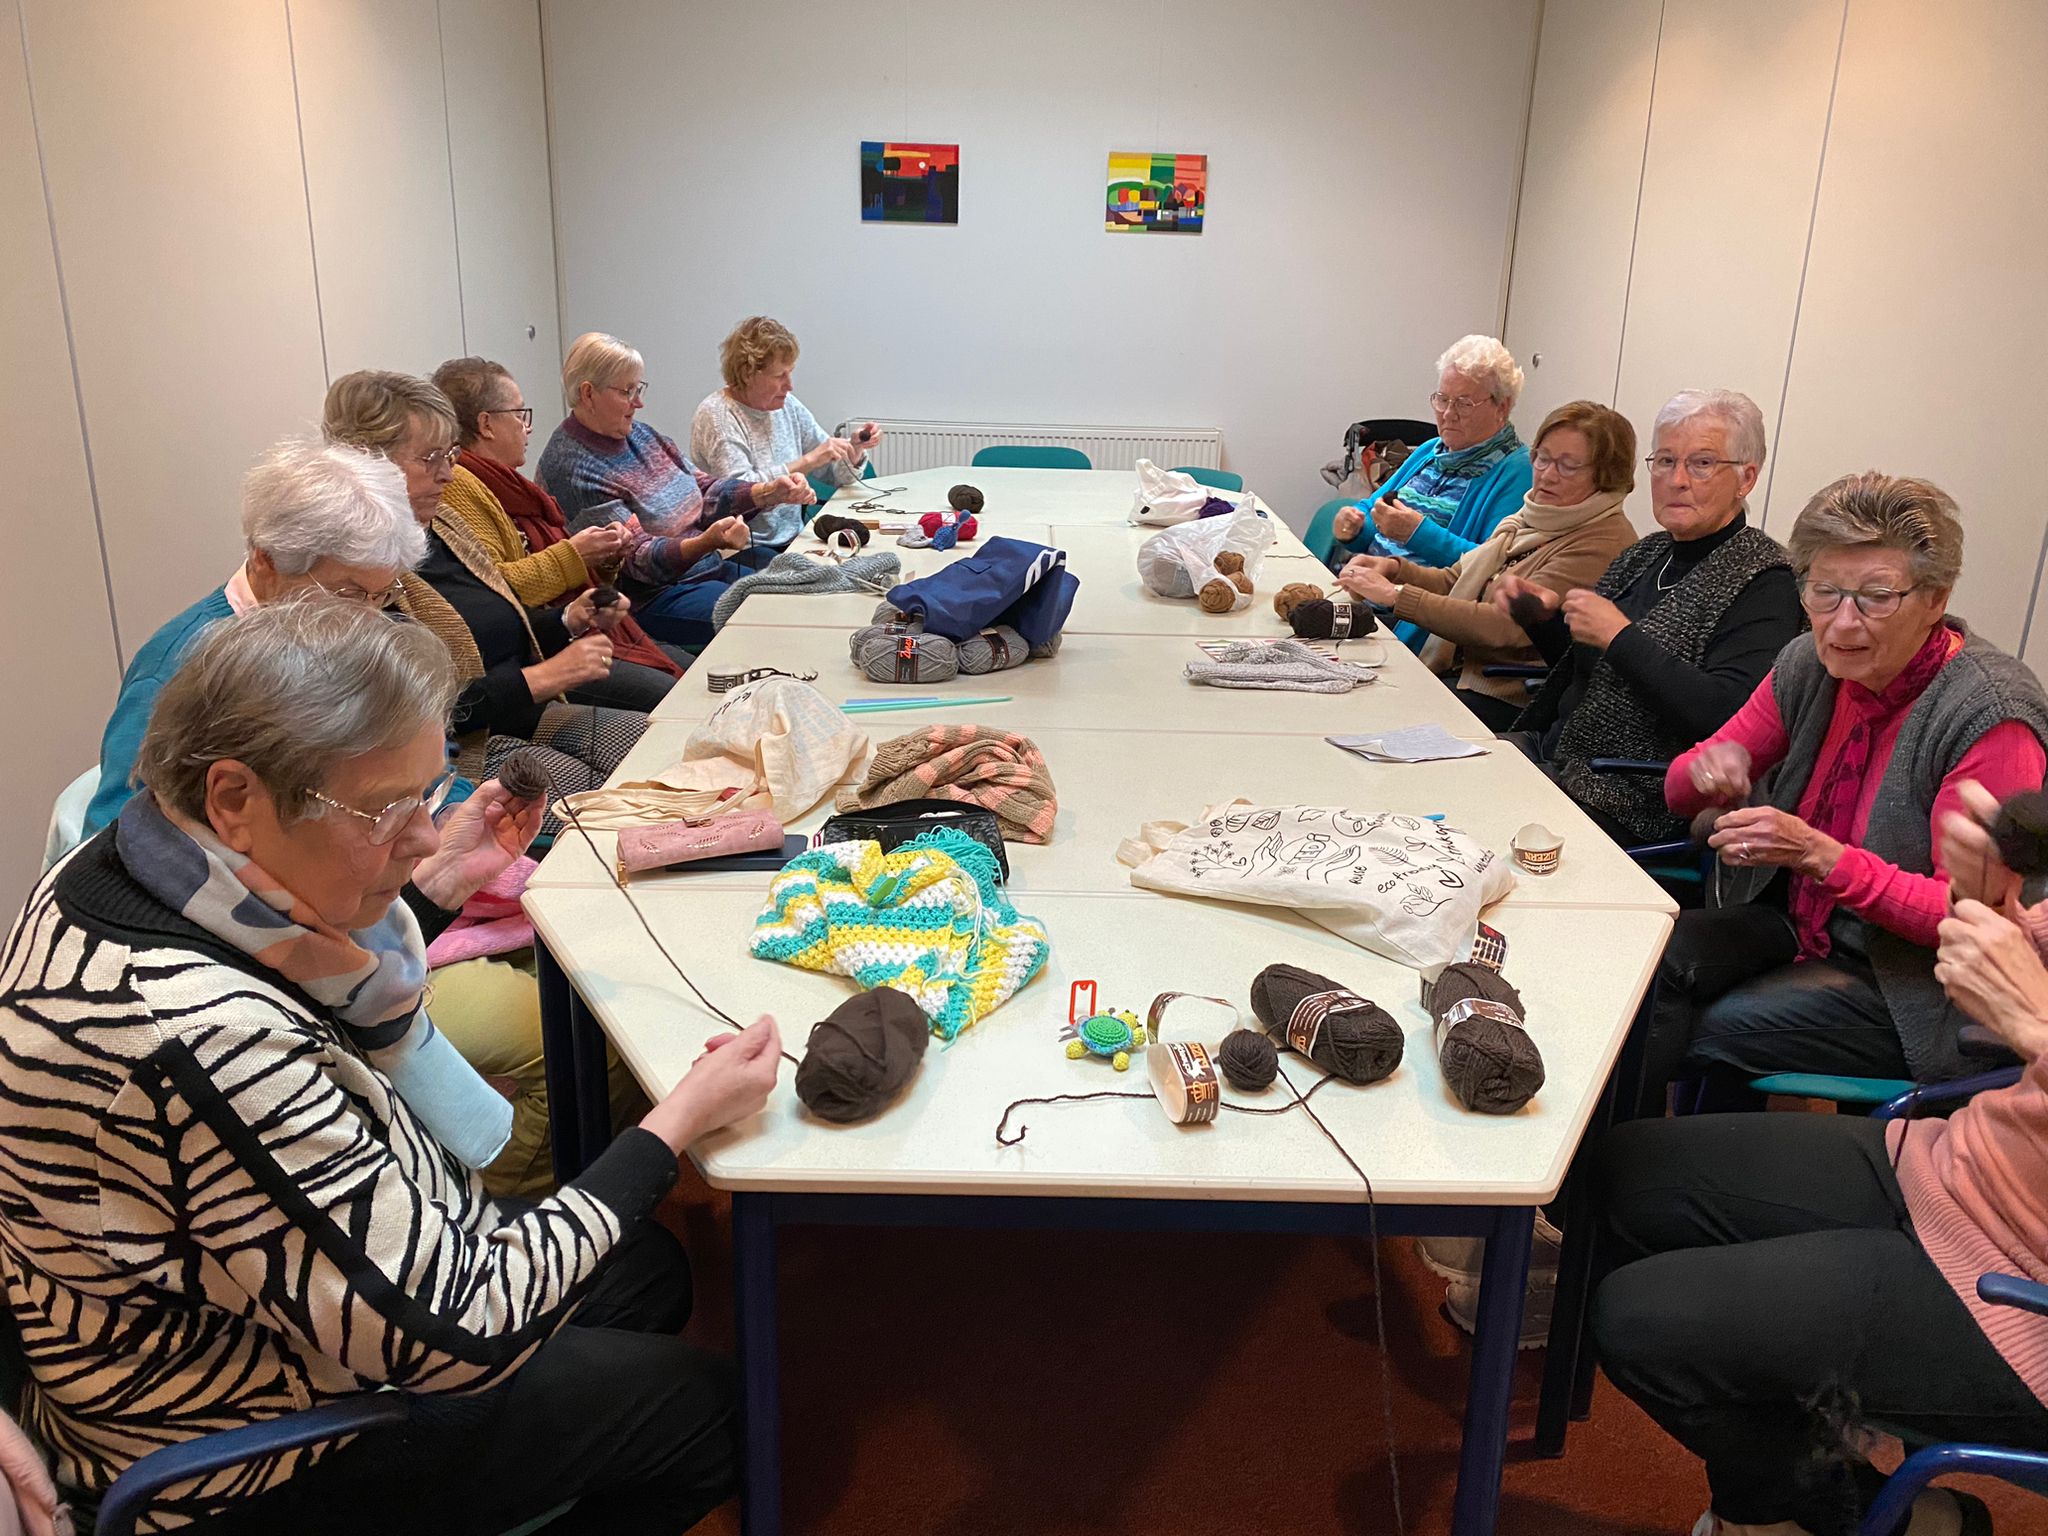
(1115, 1035)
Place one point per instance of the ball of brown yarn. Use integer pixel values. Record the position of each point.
(1492, 1066)
(1359, 1042)
(523, 775)
(1229, 562)
(861, 1054)
(1217, 595)
(604, 597)
(965, 498)
(1293, 595)
(1242, 582)
(1248, 1059)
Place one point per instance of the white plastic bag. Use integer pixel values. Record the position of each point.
(1166, 496)
(1402, 886)
(1180, 561)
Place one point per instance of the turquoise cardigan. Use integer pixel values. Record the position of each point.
(152, 667)
(1499, 492)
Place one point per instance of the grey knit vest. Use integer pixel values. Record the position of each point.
(1616, 719)
(1978, 688)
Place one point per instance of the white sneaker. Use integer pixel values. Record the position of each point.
(1458, 1258)
(1708, 1524)
(1461, 1301)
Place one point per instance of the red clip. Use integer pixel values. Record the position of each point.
(1074, 1013)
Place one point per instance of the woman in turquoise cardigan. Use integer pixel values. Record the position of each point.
(1447, 497)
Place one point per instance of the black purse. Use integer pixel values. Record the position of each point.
(894, 825)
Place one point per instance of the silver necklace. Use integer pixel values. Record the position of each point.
(1663, 571)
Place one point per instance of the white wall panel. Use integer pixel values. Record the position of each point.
(376, 152)
(1728, 187)
(1575, 230)
(57, 644)
(1927, 291)
(498, 150)
(171, 147)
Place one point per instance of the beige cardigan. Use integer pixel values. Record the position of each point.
(1483, 634)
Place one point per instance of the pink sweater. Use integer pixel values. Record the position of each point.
(2005, 759)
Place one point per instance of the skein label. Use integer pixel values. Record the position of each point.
(1474, 1008)
(1185, 1081)
(1340, 621)
(1305, 1024)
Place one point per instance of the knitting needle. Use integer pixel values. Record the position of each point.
(889, 704)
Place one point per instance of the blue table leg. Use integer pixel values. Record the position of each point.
(754, 1300)
(1503, 1277)
(558, 1062)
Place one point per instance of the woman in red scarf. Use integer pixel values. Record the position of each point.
(516, 520)
(1829, 786)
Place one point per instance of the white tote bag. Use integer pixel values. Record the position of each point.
(1402, 886)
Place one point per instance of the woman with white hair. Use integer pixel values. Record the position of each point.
(691, 537)
(1451, 493)
(224, 1202)
(1677, 633)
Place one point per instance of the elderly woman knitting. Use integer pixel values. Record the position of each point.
(1451, 493)
(1684, 624)
(1570, 527)
(603, 464)
(1788, 1285)
(1828, 789)
(222, 1176)
(755, 428)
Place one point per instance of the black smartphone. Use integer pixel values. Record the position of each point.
(793, 843)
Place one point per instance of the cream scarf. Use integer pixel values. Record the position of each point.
(1519, 534)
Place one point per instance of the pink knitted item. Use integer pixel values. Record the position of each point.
(492, 922)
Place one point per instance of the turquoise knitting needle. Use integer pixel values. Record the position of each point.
(885, 705)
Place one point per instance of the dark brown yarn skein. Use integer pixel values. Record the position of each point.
(522, 775)
(1318, 620)
(2021, 833)
(604, 597)
(1492, 1066)
(825, 524)
(965, 498)
(861, 1054)
(1527, 610)
(1249, 1060)
(1359, 1041)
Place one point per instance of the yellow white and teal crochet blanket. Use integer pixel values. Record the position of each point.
(930, 920)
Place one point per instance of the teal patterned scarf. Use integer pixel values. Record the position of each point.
(1437, 489)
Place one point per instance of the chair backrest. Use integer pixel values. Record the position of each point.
(1031, 456)
(1220, 479)
(67, 816)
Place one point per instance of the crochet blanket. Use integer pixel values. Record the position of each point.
(997, 770)
(929, 919)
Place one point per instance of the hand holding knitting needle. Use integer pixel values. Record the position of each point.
(1720, 772)
(1968, 854)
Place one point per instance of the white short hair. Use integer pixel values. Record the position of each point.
(308, 501)
(1484, 358)
(597, 359)
(1735, 410)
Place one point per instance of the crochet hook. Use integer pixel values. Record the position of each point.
(888, 704)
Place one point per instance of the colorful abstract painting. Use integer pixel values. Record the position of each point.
(909, 183)
(1165, 194)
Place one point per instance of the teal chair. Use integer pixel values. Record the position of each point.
(1216, 479)
(826, 489)
(1030, 456)
(1321, 537)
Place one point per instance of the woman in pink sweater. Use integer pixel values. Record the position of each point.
(1788, 1282)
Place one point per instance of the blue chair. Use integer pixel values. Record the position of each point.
(1321, 535)
(1216, 479)
(1031, 456)
(1893, 1507)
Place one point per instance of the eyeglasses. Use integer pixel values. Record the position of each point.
(1877, 603)
(439, 458)
(1456, 405)
(385, 825)
(636, 394)
(523, 412)
(1566, 467)
(348, 591)
(1698, 466)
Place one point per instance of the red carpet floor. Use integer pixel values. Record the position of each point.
(997, 1384)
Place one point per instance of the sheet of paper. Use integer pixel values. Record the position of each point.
(1411, 744)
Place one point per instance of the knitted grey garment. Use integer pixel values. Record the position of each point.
(794, 572)
(1278, 664)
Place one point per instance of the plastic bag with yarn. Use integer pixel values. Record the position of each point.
(1166, 496)
(1182, 561)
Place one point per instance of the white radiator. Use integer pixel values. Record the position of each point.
(929, 444)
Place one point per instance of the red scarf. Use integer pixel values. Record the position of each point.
(1834, 807)
(539, 521)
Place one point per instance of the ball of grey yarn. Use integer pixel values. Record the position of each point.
(1249, 1060)
(876, 651)
(888, 613)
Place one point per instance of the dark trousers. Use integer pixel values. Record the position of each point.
(1495, 714)
(614, 1411)
(1731, 1005)
(630, 686)
(1766, 1293)
(1530, 745)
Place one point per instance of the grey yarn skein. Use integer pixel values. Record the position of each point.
(874, 651)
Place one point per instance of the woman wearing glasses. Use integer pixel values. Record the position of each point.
(1830, 787)
(1569, 528)
(1666, 646)
(522, 528)
(1451, 493)
(523, 670)
(223, 1178)
(689, 535)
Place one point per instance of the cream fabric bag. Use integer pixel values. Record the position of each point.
(1402, 886)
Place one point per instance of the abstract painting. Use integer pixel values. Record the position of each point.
(909, 183)
(1165, 194)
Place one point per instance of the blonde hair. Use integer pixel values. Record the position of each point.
(1607, 433)
(375, 409)
(1879, 511)
(755, 345)
(597, 360)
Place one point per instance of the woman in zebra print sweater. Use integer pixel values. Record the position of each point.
(215, 1206)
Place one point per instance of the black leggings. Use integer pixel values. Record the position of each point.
(613, 1411)
(1768, 1295)
(628, 686)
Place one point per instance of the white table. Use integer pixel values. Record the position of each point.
(1127, 740)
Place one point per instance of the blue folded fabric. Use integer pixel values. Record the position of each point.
(1006, 581)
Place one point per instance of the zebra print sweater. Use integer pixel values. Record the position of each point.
(213, 1210)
